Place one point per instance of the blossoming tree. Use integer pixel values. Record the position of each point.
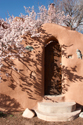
(12, 30)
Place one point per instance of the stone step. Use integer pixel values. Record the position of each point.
(58, 117)
(54, 98)
(52, 107)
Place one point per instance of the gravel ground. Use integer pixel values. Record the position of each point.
(17, 119)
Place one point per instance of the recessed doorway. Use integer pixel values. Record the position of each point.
(52, 69)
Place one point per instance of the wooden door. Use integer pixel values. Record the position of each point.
(53, 69)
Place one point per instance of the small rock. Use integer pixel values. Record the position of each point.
(81, 115)
(28, 114)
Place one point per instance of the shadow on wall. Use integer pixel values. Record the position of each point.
(32, 79)
(21, 79)
(27, 81)
(70, 74)
(64, 49)
(9, 104)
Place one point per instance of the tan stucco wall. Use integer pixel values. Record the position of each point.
(27, 87)
(72, 80)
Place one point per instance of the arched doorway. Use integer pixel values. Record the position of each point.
(52, 69)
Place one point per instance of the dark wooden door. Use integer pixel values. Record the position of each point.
(53, 69)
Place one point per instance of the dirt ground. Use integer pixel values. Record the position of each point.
(17, 119)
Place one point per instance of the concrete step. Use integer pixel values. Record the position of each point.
(58, 117)
(52, 107)
(54, 98)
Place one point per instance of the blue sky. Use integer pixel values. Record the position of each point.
(15, 7)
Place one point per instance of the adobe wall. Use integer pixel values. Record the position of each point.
(24, 89)
(72, 66)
